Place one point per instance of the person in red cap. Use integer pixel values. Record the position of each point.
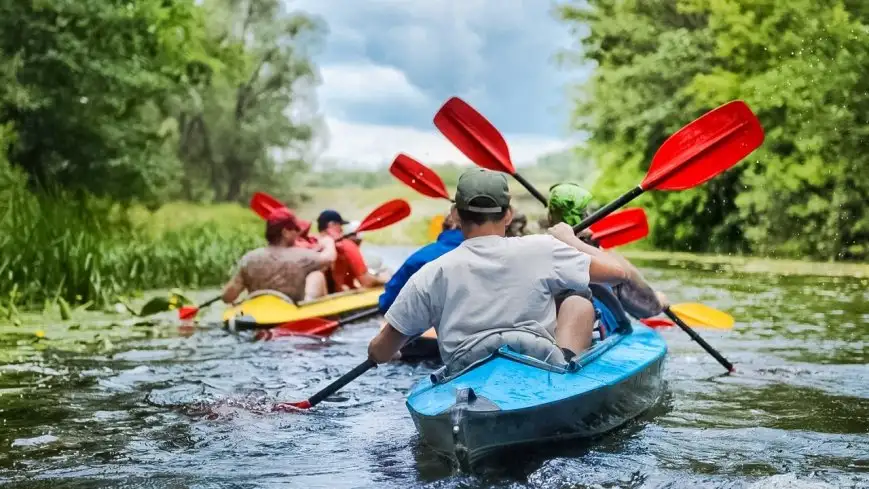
(350, 270)
(282, 265)
(305, 240)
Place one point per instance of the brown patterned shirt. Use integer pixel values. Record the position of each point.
(276, 268)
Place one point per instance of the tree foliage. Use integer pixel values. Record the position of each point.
(249, 128)
(155, 99)
(800, 65)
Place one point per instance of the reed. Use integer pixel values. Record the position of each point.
(90, 251)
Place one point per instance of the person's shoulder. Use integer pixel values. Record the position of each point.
(533, 241)
(254, 253)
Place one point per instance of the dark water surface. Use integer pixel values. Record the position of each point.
(146, 407)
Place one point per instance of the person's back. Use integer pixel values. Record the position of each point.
(493, 291)
(491, 284)
(282, 266)
(283, 269)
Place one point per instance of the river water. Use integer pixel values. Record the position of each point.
(160, 407)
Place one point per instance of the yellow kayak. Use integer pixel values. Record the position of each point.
(267, 308)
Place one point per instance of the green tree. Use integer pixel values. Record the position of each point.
(89, 77)
(800, 65)
(248, 126)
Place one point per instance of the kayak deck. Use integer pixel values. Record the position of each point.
(510, 399)
(270, 308)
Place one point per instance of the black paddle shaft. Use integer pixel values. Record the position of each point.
(208, 302)
(346, 378)
(359, 315)
(696, 337)
(525, 183)
(609, 208)
(342, 381)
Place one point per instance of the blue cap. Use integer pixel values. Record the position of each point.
(328, 216)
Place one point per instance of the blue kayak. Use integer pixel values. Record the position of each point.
(510, 399)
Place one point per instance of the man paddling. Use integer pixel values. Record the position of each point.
(492, 291)
(449, 238)
(569, 203)
(282, 266)
(349, 267)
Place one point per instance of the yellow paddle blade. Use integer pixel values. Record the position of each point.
(435, 227)
(695, 314)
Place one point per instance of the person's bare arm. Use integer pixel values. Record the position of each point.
(233, 288)
(329, 253)
(636, 295)
(603, 269)
(386, 345)
(368, 280)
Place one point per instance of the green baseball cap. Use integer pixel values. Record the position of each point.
(482, 186)
(567, 202)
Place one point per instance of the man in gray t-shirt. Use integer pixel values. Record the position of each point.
(493, 290)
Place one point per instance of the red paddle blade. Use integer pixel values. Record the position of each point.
(474, 135)
(310, 326)
(658, 322)
(291, 406)
(385, 215)
(621, 228)
(187, 312)
(418, 177)
(704, 148)
(263, 204)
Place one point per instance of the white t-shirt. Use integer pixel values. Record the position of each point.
(488, 283)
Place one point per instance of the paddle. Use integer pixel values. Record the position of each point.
(695, 315)
(264, 204)
(314, 326)
(332, 388)
(418, 177)
(189, 312)
(709, 145)
(620, 228)
(478, 139)
(387, 214)
(699, 151)
(696, 337)
(435, 226)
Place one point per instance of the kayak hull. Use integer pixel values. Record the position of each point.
(266, 309)
(509, 400)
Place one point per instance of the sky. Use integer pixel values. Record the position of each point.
(388, 65)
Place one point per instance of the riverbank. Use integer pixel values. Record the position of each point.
(747, 264)
(56, 253)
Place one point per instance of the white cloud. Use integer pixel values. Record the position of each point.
(353, 83)
(373, 146)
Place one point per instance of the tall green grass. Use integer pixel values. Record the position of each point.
(86, 250)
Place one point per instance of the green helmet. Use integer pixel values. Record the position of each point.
(567, 203)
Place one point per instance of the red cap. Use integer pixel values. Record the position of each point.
(280, 215)
(278, 220)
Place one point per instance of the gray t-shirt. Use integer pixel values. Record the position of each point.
(488, 283)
